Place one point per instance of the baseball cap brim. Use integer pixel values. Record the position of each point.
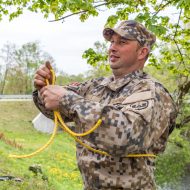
(108, 33)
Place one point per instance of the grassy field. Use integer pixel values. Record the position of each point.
(17, 136)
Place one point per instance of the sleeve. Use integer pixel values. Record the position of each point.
(79, 88)
(129, 126)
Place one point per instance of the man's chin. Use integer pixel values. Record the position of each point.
(114, 65)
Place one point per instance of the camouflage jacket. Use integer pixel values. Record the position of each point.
(137, 114)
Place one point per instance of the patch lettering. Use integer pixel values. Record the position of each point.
(139, 105)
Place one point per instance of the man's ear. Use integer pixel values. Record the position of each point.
(143, 53)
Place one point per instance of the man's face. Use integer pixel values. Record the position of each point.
(123, 54)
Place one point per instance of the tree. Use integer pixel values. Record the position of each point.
(20, 65)
(97, 57)
(7, 55)
(85, 8)
(153, 14)
(65, 79)
(29, 57)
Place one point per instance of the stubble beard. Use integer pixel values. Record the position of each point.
(117, 69)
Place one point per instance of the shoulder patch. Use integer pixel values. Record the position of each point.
(139, 105)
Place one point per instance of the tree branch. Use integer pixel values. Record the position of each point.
(177, 23)
(185, 121)
(79, 12)
(183, 90)
(161, 7)
(62, 18)
(181, 55)
(99, 1)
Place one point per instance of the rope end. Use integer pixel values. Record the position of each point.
(11, 156)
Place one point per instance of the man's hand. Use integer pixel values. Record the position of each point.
(42, 74)
(51, 96)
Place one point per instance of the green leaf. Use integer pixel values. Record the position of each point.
(112, 20)
(158, 29)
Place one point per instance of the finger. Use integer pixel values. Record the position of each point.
(47, 104)
(42, 91)
(44, 96)
(39, 83)
(45, 91)
(75, 84)
(43, 73)
(48, 65)
(39, 77)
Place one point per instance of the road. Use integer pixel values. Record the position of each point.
(15, 97)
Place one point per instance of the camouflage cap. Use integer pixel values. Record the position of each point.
(132, 30)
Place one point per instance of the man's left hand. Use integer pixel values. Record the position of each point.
(51, 96)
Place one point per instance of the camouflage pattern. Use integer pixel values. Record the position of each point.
(132, 30)
(137, 114)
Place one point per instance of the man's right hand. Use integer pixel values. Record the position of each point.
(42, 74)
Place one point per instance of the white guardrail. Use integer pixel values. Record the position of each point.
(15, 97)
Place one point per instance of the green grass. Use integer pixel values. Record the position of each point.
(170, 166)
(58, 161)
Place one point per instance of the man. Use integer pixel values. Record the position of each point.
(137, 113)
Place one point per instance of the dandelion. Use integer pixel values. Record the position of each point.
(55, 171)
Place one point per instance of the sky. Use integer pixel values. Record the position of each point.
(65, 42)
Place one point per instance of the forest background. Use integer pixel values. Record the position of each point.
(169, 62)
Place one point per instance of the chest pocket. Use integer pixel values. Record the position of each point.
(95, 94)
(92, 97)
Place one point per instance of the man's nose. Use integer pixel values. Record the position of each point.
(113, 47)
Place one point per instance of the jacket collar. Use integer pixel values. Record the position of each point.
(115, 84)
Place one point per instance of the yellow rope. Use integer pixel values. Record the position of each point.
(52, 136)
(64, 127)
(140, 155)
(73, 133)
(57, 117)
(43, 147)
